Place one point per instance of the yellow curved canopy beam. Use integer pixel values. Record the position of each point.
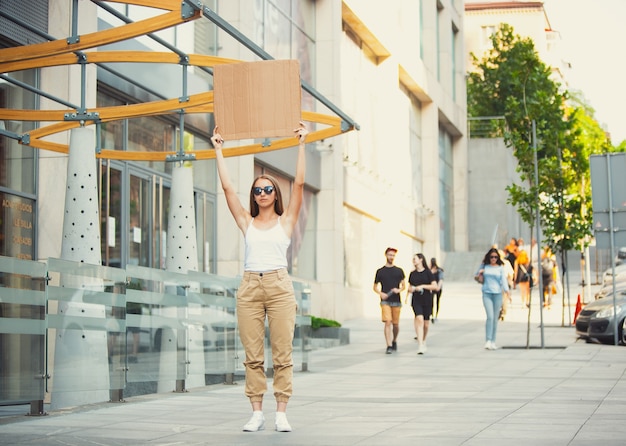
(61, 53)
(112, 35)
(334, 129)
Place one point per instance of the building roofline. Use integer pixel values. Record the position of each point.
(513, 4)
(479, 6)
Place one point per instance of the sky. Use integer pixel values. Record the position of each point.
(593, 37)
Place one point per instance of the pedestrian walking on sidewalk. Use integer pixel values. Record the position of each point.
(422, 283)
(266, 289)
(524, 277)
(494, 285)
(388, 284)
(438, 273)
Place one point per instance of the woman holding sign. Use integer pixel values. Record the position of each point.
(266, 288)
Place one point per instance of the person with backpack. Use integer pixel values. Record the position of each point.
(523, 277)
(548, 265)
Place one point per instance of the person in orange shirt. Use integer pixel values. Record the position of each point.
(523, 276)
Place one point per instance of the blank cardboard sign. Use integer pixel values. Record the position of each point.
(257, 99)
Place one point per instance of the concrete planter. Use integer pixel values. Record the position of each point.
(337, 335)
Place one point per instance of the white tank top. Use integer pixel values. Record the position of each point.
(266, 249)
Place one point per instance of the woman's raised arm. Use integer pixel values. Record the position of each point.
(241, 216)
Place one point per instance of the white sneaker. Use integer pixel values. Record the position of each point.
(493, 346)
(488, 345)
(282, 425)
(421, 349)
(256, 423)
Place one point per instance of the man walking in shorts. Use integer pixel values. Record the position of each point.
(388, 284)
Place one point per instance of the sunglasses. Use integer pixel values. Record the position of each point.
(494, 257)
(267, 189)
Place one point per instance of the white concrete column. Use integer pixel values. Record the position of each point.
(182, 256)
(81, 370)
(182, 250)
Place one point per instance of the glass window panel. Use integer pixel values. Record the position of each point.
(205, 171)
(205, 224)
(303, 14)
(17, 162)
(139, 216)
(160, 230)
(111, 215)
(23, 321)
(445, 190)
(17, 227)
(151, 135)
(303, 50)
(303, 252)
(277, 33)
(112, 132)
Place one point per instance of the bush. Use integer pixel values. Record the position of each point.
(318, 322)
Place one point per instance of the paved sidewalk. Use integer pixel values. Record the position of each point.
(566, 393)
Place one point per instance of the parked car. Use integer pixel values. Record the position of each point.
(620, 258)
(620, 274)
(608, 289)
(597, 320)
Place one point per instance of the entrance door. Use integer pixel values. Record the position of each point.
(134, 212)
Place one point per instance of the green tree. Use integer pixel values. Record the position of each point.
(511, 81)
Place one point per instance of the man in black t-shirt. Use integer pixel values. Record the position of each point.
(388, 284)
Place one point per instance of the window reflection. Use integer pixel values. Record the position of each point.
(111, 215)
(17, 162)
(139, 218)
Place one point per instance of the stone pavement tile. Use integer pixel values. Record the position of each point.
(567, 393)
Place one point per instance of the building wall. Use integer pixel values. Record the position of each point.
(491, 168)
(528, 20)
(381, 182)
(392, 165)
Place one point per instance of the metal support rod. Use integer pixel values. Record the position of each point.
(185, 96)
(126, 20)
(538, 231)
(83, 88)
(74, 38)
(612, 242)
(37, 91)
(99, 139)
(181, 135)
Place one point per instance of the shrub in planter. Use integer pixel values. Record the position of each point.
(319, 322)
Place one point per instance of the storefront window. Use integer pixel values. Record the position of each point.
(17, 173)
(17, 162)
(112, 132)
(446, 187)
(17, 223)
(135, 196)
(111, 215)
(151, 135)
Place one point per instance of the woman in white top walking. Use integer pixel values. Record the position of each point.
(266, 288)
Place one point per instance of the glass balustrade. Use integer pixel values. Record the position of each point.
(73, 333)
